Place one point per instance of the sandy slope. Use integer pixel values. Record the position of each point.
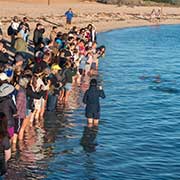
(43, 1)
(104, 17)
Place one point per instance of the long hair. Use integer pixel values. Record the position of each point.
(3, 126)
(93, 82)
(34, 82)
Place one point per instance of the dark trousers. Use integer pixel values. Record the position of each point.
(52, 101)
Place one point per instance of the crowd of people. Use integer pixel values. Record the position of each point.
(34, 82)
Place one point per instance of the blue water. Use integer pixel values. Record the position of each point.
(139, 133)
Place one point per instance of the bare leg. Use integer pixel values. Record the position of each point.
(67, 96)
(24, 125)
(43, 110)
(37, 114)
(96, 122)
(61, 95)
(14, 141)
(90, 122)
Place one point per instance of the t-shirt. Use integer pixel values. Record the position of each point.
(83, 62)
(69, 15)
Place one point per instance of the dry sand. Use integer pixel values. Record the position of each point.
(104, 17)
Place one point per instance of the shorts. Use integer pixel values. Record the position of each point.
(93, 115)
(28, 112)
(93, 66)
(39, 103)
(18, 124)
(68, 86)
(11, 131)
(68, 21)
(81, 71)
(88, 67)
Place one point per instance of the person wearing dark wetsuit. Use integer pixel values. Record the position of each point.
(91, 99)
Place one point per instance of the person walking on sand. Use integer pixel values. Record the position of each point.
(91, 99)
(69, 15)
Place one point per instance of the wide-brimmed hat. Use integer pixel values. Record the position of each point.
(6, 89)
(3, 76)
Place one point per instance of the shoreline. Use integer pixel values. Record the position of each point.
(104, 17)
(138, 26)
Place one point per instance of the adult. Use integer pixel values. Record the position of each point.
(53, 33)
(5, 147)
(38, 35)
(13, 29)
(69, 15)
(20, 41)
(3, 54)
(31, 94)
(7, 106)
(54, 88)
(91, 99)
(24, 23)
(21, 102)
(69, 72)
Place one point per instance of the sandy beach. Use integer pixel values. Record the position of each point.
(104, 17)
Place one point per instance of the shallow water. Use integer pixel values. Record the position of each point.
(139, 133)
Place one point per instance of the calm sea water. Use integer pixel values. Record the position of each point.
(139, 134)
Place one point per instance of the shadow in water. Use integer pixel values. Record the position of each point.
(169, 90)
(88, 140)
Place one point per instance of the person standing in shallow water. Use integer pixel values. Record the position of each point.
(91, 99)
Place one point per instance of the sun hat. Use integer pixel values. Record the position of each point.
(6, 89)
(3, 76)
(55, 67)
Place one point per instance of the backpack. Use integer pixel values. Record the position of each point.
(10, 31)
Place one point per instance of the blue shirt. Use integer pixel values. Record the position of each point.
(69, 15)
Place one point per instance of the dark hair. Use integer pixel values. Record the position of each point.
(38, 24)
(34, 82)
(54, 27)
(93, 82)
(25, 18)
(59, 34)
(90, 26)
(3, 126)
